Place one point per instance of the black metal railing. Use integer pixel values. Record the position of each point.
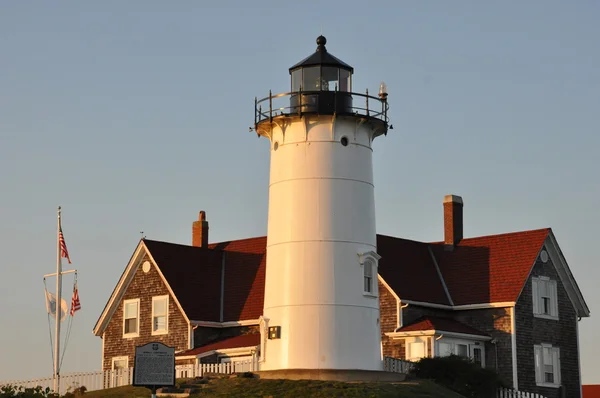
(320, 102)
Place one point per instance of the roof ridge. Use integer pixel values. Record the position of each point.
(547, 229)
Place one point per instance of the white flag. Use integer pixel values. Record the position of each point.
(51, 306)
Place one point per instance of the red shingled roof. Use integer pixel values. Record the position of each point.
(440, 324)
(194, 274)
(245, 340)
(489, 269)
(479, 270)
(245, 265)
(408, 268)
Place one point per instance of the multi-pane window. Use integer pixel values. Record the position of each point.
(547, 365)
(477, 356)
(131, 315)
(368, 277)
(160, 311)
(545, 298)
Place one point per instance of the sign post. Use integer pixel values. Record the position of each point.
(154, 366)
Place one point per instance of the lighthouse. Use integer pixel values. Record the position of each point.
(321, 305)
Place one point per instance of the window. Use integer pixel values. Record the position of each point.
(368, 271)
(477, 356)
(474, 350)
(121, 375)
(462, 350)
(415, 351)
(547, 365)
(131, 315)
(545, 302)
(368, 264)
(160, 314)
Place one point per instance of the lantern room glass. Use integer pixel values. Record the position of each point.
(321, 78)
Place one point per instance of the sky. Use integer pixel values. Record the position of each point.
(133, 116)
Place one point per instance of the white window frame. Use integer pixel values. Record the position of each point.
(538, 358)
(166, 329)
(368, 276)
(369, 259)
(137, 333)
(538, 286)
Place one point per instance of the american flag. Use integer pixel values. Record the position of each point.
(75, 304)
(64, 253)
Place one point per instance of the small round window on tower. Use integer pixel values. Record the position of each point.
(344, 141)
(275, 146)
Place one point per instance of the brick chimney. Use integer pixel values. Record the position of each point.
(200, 231)
(453, 220)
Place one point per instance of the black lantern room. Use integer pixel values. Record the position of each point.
(323, 83)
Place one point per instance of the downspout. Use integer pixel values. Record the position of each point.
(514, 347)
(263, 324)
(399, 322)
(435, 339)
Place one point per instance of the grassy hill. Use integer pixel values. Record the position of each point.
(251, 388)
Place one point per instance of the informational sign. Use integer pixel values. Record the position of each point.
(154, 365)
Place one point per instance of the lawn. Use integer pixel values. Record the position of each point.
(251, 388)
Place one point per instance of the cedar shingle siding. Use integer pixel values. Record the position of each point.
(143, 286)
(561, 333)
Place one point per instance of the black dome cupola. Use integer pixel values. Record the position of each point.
(321, 71)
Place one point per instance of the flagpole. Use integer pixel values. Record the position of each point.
(58, 311)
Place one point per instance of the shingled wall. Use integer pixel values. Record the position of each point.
(143, 286)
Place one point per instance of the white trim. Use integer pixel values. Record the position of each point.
(364, 256)
(461, 307)
(566, 276)
(439, 272)
(513, 336)
(398, 302)
(103, 336)
(138, 320)
(578, 358)
(166, 330)
(433, 332)
(229, 324)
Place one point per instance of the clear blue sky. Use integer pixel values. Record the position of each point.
(134, 116)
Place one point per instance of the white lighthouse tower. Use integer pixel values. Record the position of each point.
(321, 308)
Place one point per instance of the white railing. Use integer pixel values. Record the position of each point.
(509, 393)
(100, 380)
(397, 365)
(189, 371)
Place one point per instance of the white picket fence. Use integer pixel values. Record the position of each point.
(100, 380)
(509, 393)
(397, 365)
(70, 381)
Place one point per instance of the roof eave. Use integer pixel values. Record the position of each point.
(436, 332)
